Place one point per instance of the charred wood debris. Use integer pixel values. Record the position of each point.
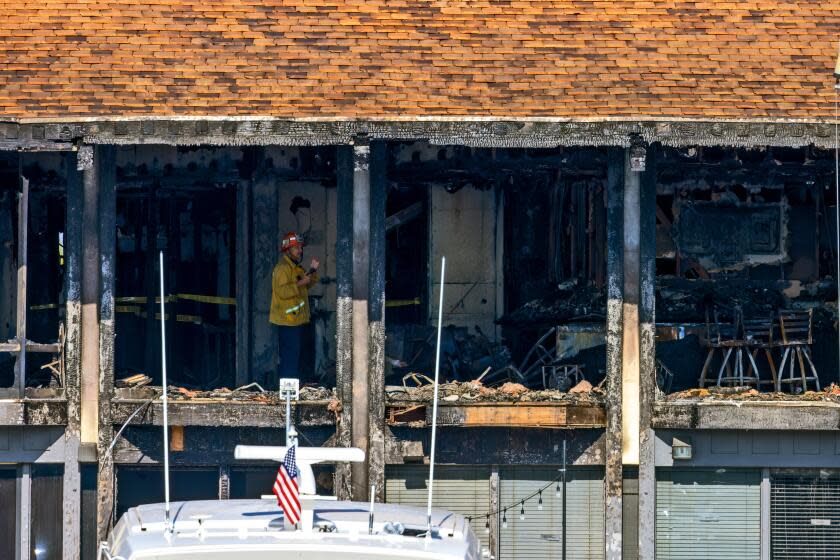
(740, 234)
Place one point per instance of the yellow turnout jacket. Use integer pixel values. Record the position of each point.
(289, 302)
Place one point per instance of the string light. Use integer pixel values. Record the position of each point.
(558, 492)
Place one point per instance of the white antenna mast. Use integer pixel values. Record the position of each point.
(837, 187)
(435, 402)
(165, 401)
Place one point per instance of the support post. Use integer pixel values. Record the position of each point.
(23, 235)
(24, 526)
(72, 361)
(764, 517)
(614, 332)
(376, 318)
(105, 164)
(361, 335)
(243, 283)
(647, 356)
(344, 313)
(493, 540)
(89, 412)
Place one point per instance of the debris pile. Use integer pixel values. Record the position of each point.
(568, 303)
(248, 393)
(476, 392)
(137, 380)
(464, 354)
(830, 394)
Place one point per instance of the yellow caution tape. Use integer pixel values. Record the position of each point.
(402, 302)
(128, 309)
(218, 300)
(138, 311)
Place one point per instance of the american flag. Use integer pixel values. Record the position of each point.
(286, 487)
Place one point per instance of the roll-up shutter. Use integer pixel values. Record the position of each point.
(464, 490)
(539, 535)
(708, 514)
(805, 516)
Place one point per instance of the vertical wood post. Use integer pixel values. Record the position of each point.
(89, 381)
(614, 331)
(376, 318)
(72, 361)
(23, 235)
(361, 334)
(344, 313)
(243, 283)
(647, 357)
(105, 163)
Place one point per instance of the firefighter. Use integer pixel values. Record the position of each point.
(290, 301)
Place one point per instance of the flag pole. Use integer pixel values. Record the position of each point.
(165, 400)
(435, 402)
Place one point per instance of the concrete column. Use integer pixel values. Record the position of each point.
(361, 335)
(765, 514)
(344, 312)
(105, 164)
(72, 361)
(376, 318)
(614, 331)
(647, 356)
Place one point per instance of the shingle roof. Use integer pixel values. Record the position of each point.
(386, 58)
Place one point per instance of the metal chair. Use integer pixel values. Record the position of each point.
(726, 339)
(757, 334)
(796, 330)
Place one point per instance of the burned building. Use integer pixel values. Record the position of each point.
(637, 203)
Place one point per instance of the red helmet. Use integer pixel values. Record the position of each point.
(290, 240)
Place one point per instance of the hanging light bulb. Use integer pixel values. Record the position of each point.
(557, 490)
(487, 525)
(504, 519)
(522, 510)
(539, 503)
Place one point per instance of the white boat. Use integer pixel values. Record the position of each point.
(256, 529)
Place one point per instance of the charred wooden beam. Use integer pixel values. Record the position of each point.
(520, 415)
(615, 327)
(376, 318)
(105, 164)
(344, 313)
(745, 415)
(23, 235)
(222, 414)
(33, 412)
(360, 318)
(244, 212)
(72, 361)
(504, 445)
(203, 445)
(649, 211)
(403, 216)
